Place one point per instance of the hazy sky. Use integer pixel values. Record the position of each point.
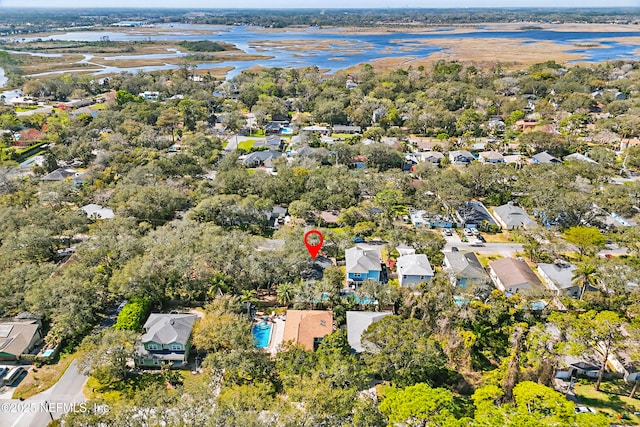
(316, 3)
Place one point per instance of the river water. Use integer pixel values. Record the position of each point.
(295, 48)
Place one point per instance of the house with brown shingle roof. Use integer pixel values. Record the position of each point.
(307, 327)
(512, 275)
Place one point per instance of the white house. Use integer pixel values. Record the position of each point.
(94, 211)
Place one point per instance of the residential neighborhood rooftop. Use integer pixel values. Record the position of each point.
(168, 328)
(514, 275)
(307, 327)
(363, 258)
(358, 322)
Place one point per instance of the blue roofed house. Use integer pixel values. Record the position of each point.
(413, 269)
(475, 215)
(363, 262)
(166, 339)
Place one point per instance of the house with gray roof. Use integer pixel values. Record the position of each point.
(465, 270)
(166, 339)
(559, 278)
(357, 323)
(363, 262)
(434, 157)
(60, 174)
(461, 157)
(511, 275)
(512, 217)
(346, 129)
(260, 158)
(545, 157)
(413, 269)
(491, 157)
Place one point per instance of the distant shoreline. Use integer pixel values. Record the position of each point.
(155, 47)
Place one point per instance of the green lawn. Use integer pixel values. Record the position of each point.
(25, 109)
(503, 237)
(246, 145)
(612, 400)
(486, 259)
(341, 135)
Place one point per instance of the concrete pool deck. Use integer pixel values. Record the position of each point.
(277, 335)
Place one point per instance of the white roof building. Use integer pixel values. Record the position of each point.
(358, 322)
(94, 211)
(413, 269)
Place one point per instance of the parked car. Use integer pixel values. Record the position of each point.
(358, 240)
(477, 244)
(448, 232)
(584, 409)
(13, 375)
(454, 249)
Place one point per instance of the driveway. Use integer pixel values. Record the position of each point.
(39, 410)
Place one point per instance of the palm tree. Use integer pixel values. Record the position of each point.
(285, 293)
(586, 274)
(372, 292)
(247, 298)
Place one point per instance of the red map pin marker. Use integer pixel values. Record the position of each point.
(313, 249)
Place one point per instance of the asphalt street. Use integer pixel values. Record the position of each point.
(39, 410)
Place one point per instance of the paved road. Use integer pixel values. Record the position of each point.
(232, 144)
(38, 411)
(504, 249)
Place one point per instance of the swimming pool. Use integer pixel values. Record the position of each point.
(47, 353)
(261, 333)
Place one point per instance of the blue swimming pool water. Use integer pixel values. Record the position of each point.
(47, 353)
(460, 301)
(261, 333)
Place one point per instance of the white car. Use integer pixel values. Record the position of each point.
(584, 410)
